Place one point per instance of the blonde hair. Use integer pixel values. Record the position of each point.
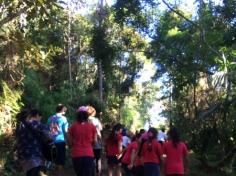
(91, 111)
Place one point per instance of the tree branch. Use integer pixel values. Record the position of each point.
(178, 13)
(199, 27)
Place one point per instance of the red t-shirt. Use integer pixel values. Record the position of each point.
(138, 161)
(127, 157)
(152, 156)
(112, 146)
(174, 157)
(82, 135)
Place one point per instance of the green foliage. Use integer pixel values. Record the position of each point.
(196, 55)
(10, 104)
(191, 54)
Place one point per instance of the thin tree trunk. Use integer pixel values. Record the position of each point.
(100, 70)
(100, 77)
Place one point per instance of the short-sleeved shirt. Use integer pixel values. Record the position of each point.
(112, 146)
(82, 135)
(125, 141)
(28, 146)
(138, 161)
(174, 157)
(62, 124)
(96, 122)
(153, 155)
(127, 157)
(161, 136)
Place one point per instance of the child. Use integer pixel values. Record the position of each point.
(151, 154)
(82, 136)
(129, 156)
(136, 161)
(114, 149)
(176, 162)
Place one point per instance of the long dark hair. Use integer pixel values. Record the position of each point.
(82, 116)
(142, 141)
(152, 134)
(174, 136)
(22, 115)
(112, 136)
(34, 113)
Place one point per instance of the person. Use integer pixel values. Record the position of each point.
(176, 155)
(59, 127)
(28, 146)
(136, 163)
(162, 137)
(81, 137)
(113, 146)
(97, 147)
(151, 154)
(129, 156)
(125, 139)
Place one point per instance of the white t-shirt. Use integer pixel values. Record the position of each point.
(125, 141)
(161, 136)
(96, 122)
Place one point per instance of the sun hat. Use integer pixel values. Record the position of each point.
(82, 109)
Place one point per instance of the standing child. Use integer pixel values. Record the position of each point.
(176, 162)
(97, 147)
(59, 126)
(129, 156)
(136, 162)
(114, 149)
(28, 145)
(151, 154)
(82, 136)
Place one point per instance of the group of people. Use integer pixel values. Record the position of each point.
(83, 137)
(148, 154)
(140, 154)
(30, 133)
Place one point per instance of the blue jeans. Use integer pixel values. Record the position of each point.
(151, 169)
(84, 166)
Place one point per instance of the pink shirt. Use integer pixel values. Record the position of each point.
(174, 157)
(82, 135)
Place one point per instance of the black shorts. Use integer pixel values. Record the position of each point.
(112, 160)
(61, 153)
(97, 153)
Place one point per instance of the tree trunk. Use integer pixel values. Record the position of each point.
(100, 77)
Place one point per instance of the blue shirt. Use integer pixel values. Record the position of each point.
(62, 124)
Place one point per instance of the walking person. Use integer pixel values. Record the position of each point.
(161, 136)
(176, 155)
(152, 154)
(125, 139)
(81, 138)
(28, 146)
(136, 163)
(59, 127)
(113, 147)
(129, 156)
(97, 147)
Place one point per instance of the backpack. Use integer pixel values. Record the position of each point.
(53, 126)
